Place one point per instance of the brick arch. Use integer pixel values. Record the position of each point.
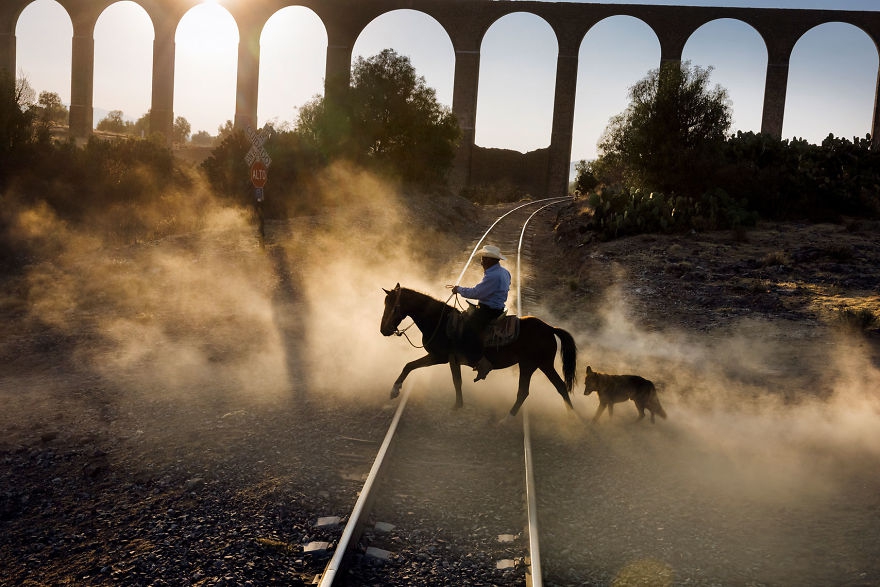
(466, 22)
(854, 31)
(445, 41)
(756, 65)
(506, 24)
(105, 26)
(263, 62)
(591, 85)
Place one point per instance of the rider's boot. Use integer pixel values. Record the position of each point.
(482, 368)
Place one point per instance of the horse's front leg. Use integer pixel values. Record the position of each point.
(455, 367)
(426, 361)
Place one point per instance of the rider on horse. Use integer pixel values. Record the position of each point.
(491, 293)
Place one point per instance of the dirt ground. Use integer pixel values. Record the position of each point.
(167, 414)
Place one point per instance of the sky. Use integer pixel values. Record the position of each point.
(517, 67)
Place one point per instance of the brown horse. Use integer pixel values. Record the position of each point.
(535, 348)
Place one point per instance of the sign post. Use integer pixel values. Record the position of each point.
(259, 161)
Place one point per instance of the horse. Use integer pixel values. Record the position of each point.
(534, 349)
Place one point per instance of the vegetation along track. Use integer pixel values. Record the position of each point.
(447, 507)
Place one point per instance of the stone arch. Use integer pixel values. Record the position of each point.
(710, 46)
(121, 63)
(55, 36)
(853, 63)
(594, 93)
(276, 52)
(496, 70)
(393, 25)
(209, 51)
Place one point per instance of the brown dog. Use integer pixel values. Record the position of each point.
(614, 389)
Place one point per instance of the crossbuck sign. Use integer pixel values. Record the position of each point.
(258, 152)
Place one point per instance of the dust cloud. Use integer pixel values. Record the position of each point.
(212, 314)
(772, 411)
(759, 412)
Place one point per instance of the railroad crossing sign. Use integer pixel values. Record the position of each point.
(257, 151)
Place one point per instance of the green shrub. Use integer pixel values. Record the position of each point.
(621, 212)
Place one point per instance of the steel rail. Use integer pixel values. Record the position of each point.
(534, 577)
(499, 219)
(355, 524)
(354, 527)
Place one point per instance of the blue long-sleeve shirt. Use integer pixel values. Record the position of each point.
(492, 290)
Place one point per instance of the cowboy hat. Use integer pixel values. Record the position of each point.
(492, 252)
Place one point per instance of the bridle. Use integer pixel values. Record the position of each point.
(395, 310)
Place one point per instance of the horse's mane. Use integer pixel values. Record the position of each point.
(422, 298)
(419, 295)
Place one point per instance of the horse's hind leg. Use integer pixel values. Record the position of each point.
(558, 383)
(455, 367)
(525, 377)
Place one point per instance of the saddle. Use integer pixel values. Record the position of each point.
(501, 331)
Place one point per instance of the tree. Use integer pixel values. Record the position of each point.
(113, 122)
(202, 139)
(16, 120)
(225, 130)
(180, 130)
(671, 135)
(388, 120)
(52, 110)
(585, 178)
(142, 125)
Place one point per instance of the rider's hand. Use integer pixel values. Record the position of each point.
(455, 289)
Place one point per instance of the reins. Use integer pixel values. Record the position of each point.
(398, 332)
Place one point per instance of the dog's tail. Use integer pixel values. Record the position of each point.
(655, 400)
(569, 358)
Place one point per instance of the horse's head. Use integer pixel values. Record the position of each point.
(393, 315)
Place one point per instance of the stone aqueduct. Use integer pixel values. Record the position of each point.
(465, 21)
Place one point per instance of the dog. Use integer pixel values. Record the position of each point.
(614, 389)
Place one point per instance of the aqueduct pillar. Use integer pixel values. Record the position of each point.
(8, 17)
(340, 41)
(162, 103)
(7, 52)
(464, 106)
(775, 89)
(247, 94)
(559, 159)
(82, 79)
(875, 123)
(779, 48)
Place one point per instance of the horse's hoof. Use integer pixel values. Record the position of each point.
(395, 391)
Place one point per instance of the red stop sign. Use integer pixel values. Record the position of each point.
(259, 174)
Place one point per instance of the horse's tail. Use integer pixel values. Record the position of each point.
(569, 357)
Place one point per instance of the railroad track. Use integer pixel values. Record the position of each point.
(463, 471)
